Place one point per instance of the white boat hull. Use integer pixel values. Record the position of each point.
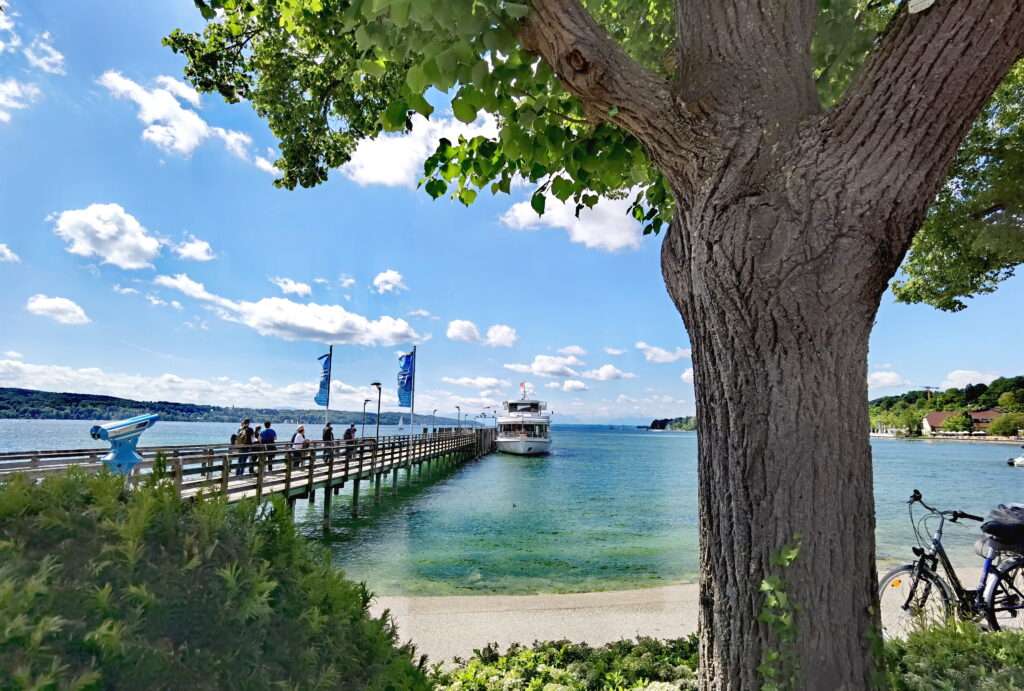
(524, 446)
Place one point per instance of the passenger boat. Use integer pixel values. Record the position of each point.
(524, 428)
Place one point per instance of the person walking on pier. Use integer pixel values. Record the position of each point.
(349, 437)
(269, 438)
(299, 442)
(244, 439)
(328, 439)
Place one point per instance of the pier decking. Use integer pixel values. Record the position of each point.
(260, 470)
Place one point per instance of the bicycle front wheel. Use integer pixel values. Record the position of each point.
(907, 602)
(1004, 597)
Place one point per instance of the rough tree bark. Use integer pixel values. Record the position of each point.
(790, 222)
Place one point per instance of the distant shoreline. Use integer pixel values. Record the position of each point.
(975, 440)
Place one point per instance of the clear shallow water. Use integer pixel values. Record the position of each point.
(607, 510)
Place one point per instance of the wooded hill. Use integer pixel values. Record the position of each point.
(905, 411)
(29, 404)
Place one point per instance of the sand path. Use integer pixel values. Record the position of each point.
(443, 627)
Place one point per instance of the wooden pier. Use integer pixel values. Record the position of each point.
(261, 470)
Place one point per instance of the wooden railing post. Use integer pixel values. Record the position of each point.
(176, 465)
(225, 474)
(261, 462)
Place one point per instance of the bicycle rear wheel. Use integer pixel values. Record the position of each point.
(908, 603)
(1004, 597)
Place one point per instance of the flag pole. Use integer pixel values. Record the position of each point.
(412, 409)
(330, 366)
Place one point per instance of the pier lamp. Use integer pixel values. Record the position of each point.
(377, 433)
(459, 418)
(362, 433)
(433, 429)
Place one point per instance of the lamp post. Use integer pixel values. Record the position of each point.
(459, 418)
(433, 429)
(377, 433)
(362, 432)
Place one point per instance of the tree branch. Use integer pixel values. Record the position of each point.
(899, 124)
(595, 69)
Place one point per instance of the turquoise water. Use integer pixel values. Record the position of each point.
(608, 509)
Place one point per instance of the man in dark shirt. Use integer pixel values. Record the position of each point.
(328, 440)
(269, 438)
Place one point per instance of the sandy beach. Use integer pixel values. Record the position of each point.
(444, 627)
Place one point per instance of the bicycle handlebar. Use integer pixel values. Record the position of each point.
(954, 515)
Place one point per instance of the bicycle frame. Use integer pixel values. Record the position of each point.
(969, 602)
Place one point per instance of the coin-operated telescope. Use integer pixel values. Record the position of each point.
(123, 437)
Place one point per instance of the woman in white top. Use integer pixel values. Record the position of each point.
(298, 444)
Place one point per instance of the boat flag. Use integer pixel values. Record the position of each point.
(323, 396)
(406, 379)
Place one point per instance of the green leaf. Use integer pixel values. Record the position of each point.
(537, 201)
(395, 115)
(464, 111)
(435, 188)
(515, 10)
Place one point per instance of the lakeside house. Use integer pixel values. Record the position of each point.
(932, 424)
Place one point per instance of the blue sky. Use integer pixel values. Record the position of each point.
(145, 253)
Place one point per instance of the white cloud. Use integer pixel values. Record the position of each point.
(155, 300)
(60, 309)
(179, 90)
(252, 391)
(8, 255)
(607, 226)
(396, 159)
(476, 382)
(607, 373)
(614, 351)
(124, 290)
(265, 164)
(574, 385)
(194, 249)
(107, 231)
(687, 375)
(13, 354)
(290, 287)
(389, 281)
(462, 330)
(295, 321)
(549, 366)
(321, 281)
(881, 380)
(173, 128)
(572, 350)
(623, 398)
(421, 313)
(9, 39)
(346, 281)
(960, 378)
(15, 95)
(656, 354)
(177, 305)
(501, 336)
(43, 56)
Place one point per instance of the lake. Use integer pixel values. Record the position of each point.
(607, 509)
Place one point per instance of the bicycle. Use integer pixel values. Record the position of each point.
(915, 595)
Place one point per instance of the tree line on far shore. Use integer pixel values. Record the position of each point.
(29, 404)
(906, 411)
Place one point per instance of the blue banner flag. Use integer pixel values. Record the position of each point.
(323, 396)
(406, 377)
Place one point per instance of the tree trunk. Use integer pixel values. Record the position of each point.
(780, 342)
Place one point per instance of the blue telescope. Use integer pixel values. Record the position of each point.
(123, 437)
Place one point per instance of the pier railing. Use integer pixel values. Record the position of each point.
(258, 470)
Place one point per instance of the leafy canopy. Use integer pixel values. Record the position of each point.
(326, 74)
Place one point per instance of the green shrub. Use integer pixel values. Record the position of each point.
(1007, 425)
(103, 587)
(564, 666)
(959, 656)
